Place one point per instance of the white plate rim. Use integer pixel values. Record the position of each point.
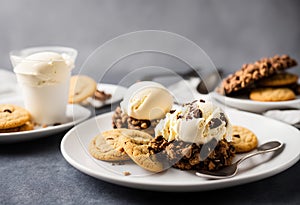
(247, 104)
(73, 111)
(213, 184)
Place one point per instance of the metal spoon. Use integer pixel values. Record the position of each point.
(231, 170)
(185, 75)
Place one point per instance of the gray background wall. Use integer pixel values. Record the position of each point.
(232, 32)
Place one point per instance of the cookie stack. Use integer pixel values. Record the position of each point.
(264, 80)
(14, 119)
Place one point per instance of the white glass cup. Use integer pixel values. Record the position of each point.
(43, 74)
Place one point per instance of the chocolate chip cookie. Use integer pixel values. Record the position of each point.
(136, 145)
(12, 116)
(272, 94)
(243, 139)
(103, 146)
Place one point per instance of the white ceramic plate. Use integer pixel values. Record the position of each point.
(254, 106)
(75, 114)
(116, 91)
(75, 143)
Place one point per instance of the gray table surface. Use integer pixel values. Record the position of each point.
(35, 172)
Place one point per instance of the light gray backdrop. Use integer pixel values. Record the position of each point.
(232, 32)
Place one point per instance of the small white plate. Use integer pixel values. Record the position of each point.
(117, 93)
(74, 148)
(75, 114)
(244, 103)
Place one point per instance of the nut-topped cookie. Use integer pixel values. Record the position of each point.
(250, 73)
(12, 116)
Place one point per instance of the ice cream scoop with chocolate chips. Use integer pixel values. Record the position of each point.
(196, 122)
(195, 136)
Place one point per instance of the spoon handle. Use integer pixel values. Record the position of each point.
(257, 153)
(250, 155)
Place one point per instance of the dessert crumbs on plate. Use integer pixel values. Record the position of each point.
(126, 173)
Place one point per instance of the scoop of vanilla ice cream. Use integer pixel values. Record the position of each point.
(197, 122)
(44, 68)
(147, 100)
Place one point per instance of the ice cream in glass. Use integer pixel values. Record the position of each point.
(43, 74)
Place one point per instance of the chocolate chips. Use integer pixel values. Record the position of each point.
(172, 111)
(179, 117)
(158, 144)
(197, 113)
(214, 123)
(237, 136)
(193, 111)
(224, 119)
(7, 110)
